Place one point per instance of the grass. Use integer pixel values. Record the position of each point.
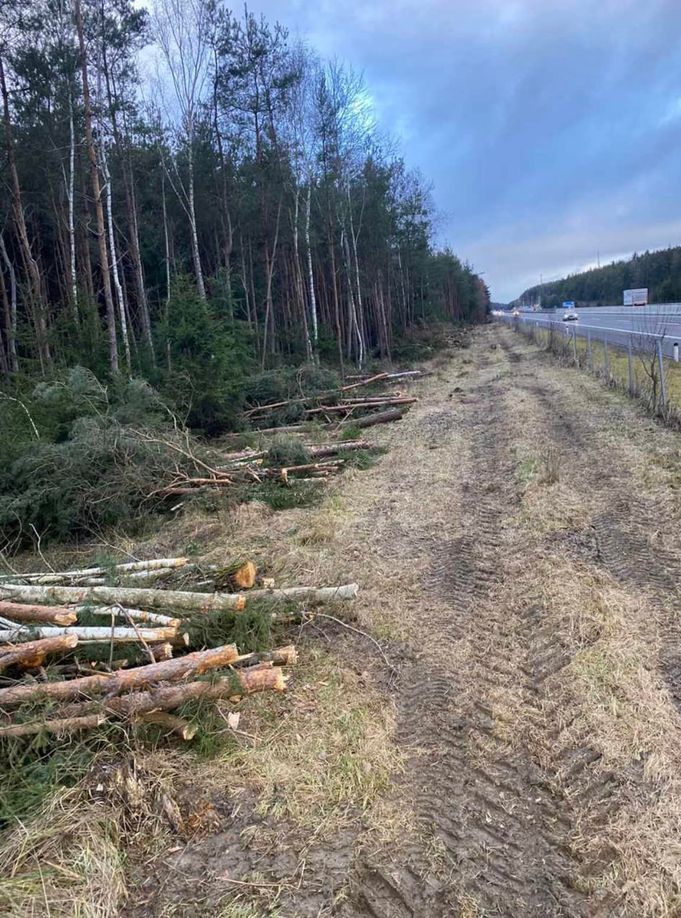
(611, 364)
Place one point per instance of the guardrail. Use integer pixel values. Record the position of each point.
(653, 349)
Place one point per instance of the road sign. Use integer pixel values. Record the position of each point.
(638, 297)
(568, 304)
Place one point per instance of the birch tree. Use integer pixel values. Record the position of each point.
(182, 30)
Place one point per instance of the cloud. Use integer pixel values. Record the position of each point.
(549, 130)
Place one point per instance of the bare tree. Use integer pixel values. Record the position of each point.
(182, 29)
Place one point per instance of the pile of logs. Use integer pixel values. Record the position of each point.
(42, 629)
(247, 466)
(338, 410)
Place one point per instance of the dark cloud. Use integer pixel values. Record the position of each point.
(550, 130)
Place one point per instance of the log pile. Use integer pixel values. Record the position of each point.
(336, 408)
(41, 647)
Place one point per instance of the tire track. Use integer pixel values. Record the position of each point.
(473, 786)
(622, 521)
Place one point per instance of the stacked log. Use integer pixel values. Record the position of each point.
(47, 626)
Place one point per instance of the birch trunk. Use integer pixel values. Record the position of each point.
(87, 635)
(114, 259)
(196, 255)
(135, 597)
(310, 276)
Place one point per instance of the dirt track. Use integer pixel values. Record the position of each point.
(529, 708)
(518, 550)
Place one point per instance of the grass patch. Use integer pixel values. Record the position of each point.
(351, 432)
(362, 458)
(315, 776)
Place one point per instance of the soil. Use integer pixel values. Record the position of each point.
(520, 545)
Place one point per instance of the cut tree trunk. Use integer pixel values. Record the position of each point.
(314, 594)
(136, 597)
(381, 417)
(201, 661)
(33, 653)
(136, 615)
(169, 697)
(87, 635)
(237, 576)
(55, 615)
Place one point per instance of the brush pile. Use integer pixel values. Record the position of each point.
(51, 621)
(335, 408)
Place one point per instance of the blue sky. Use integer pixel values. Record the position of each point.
(550, 129)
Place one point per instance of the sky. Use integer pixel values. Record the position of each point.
(549, 129)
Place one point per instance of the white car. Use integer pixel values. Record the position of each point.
(570, 315)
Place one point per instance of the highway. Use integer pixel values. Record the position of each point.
(620, 325)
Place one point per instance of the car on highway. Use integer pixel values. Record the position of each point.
(515, 313)
(570, 315)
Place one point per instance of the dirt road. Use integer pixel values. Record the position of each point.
(539, 515)
(518, 548)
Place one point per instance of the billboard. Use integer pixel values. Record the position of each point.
(568, 304)
(637, 297)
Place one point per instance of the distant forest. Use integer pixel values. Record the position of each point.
(659, 271)
(229, 206)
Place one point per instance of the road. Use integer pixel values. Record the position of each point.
(619, 325)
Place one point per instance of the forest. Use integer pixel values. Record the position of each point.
(191, 197)
(198, 215)
(659, 271)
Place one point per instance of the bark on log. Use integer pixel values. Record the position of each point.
(62, 726)
(33, 653)
(354, 405)
(381, 417)
(136, 597)
(137, 615)
(169, 697)
(314, 594)
(87, 635)
(55, 615)
(280, 656)
(129, 679)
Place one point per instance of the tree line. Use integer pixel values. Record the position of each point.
(188, 191)
(659, 271)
